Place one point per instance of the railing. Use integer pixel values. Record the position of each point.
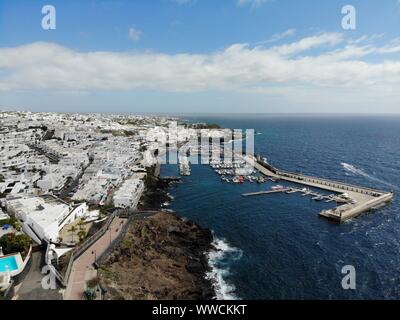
(57, 274)
(24, 263)
(344, 212)
(116, 242)
(84, 246)
(100, 259)
(327, 182)
(332, 183)
(69, 269)
(130, 214)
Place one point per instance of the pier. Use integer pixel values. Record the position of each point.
(264, 192)
(358, 199)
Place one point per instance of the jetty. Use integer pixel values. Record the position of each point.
(172, 179)
(357, 200)
(259, 193)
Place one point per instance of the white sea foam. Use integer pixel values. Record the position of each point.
(168, 210)
(166, 204)
(360, 172)
(218, 259)
(353, 169)
(170, 196)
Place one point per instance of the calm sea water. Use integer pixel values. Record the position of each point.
(276, 246)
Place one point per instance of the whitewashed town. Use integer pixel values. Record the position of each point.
(60, 175)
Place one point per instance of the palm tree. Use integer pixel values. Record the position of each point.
(18, 226)
(81, 234)
(81, 224)
(72, 230)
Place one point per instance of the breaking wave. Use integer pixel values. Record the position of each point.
(219, 259)
(352, 169)
(170, 196)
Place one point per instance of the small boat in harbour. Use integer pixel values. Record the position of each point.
(278, 188)
(318, 198)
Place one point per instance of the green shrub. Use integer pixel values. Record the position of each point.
(11, 221)
(12, 243)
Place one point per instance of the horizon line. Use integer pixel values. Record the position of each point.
(174, 113)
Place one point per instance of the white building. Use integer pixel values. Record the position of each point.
(3, 216)
(43, 217)
(128, 195)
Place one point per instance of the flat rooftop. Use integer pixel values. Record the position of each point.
(43, 210)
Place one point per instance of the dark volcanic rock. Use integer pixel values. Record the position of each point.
(161, 257)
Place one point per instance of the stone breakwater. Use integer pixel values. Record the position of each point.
(161, 257)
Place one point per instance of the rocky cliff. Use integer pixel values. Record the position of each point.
(161, 257)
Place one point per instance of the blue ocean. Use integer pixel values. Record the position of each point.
(276, 246)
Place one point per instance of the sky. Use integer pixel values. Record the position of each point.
(200, 56)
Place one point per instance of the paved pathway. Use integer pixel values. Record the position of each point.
(82, 269)
(31, 287)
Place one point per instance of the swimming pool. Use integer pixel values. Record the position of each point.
(8, 263)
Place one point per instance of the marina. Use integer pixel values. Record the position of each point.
(305, 192)
(285, 227)
(236, 171)
(353, 200)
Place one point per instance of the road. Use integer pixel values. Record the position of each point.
(31, 287)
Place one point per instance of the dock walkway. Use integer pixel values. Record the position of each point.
(259, 193)
(363, 199)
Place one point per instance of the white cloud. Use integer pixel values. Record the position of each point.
(134, 34)
(236, 68)
(330, 39)
(366, 38)
(279, 36)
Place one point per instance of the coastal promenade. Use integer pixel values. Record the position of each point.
(361, 199)
(83, 269)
